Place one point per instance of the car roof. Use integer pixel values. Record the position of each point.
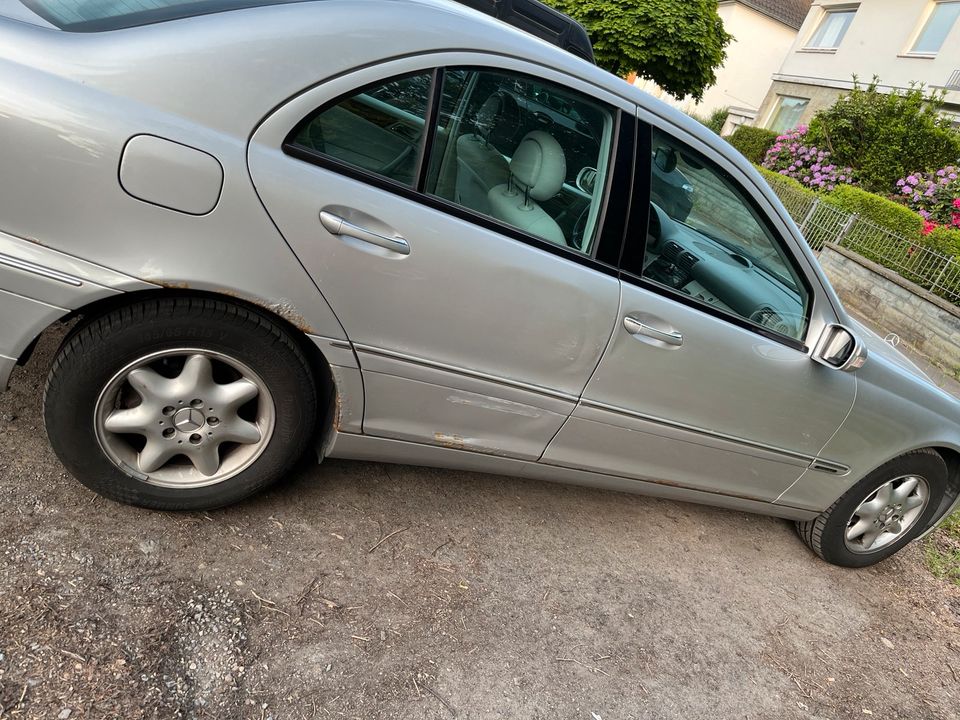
(268, 52)
(86, 16)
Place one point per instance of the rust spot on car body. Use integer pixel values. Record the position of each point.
(286, 310)
(458, 442)
(337, 411)
(454, 442)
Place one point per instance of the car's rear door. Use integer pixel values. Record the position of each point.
(472, 331)
(707, 382)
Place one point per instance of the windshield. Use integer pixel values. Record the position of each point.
(98, 15)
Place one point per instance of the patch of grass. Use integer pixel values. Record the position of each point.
(942, 551)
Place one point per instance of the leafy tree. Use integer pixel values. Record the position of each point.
(676, 43)
(884, 136)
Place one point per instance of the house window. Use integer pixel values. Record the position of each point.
(787, 113)
(832, 28)
(936, 29)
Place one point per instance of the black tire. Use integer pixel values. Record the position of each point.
(100, 347)
(825, 535)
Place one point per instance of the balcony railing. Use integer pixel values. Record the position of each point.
(954, 82)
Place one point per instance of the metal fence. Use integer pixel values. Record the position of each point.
(821, 223)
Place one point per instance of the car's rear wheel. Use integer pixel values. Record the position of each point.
(882, 513)
(180, 403)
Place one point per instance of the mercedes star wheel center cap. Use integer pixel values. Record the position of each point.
(188, 420)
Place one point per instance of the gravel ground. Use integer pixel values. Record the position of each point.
(361, 590)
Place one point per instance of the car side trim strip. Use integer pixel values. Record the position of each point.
(40, 270)
(368, 447)
(370, 350)
(813, 462)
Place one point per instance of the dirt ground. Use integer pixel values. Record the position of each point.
(360, 590)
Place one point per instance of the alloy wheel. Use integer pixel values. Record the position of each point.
(887, 514)
(184, 418)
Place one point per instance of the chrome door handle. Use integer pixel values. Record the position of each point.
(635, 327)
(336, 225)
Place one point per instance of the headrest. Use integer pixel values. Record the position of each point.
(486, 116)
(539, 166)
(498, 119)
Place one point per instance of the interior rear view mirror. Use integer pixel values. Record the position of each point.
(840, 348)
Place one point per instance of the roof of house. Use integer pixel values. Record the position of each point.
(789, 12)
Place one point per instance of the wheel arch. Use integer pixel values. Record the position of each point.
(952, 459)
(327, 391)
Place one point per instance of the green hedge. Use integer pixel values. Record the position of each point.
(775, 178)
(714, 121)
(753, 142)
(943, 239)
(879, 210)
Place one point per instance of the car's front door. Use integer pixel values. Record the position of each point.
(454, 217)
(708, 382)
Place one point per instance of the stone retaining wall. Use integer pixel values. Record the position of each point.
(924, 321)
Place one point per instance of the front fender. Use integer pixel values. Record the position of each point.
(895, 411)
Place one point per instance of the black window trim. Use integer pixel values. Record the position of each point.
(637, 227)
(430, 122)
(611, 226)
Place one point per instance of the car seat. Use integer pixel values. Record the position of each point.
(538, 170)
(480, 165)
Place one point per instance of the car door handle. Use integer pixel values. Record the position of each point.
(336, 225)
(635, 327)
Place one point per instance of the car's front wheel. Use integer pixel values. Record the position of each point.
(179, 403)
(882, 513)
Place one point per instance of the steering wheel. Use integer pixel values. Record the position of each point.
(784, 322)
(579, 228)
(315, 137)
(655, 229)
(395, 163)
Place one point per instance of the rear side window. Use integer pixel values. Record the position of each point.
(377, 129)
(513, 148)
(523, 151)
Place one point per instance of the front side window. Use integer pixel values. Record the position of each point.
(708, 241)
(524, 152)
(937, 27)
(829, 33)
(377, 130)
(787, 114)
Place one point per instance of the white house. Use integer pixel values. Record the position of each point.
(764, 32)
(900, 41)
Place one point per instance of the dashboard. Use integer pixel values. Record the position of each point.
(686, 259)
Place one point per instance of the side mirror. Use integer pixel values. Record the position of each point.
(666, 159)
(840, 349)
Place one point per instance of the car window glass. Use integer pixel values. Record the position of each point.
(377, 129)
(522, 151)
(708, 241)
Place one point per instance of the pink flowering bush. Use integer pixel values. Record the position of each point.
(935, 196)
(792, 156)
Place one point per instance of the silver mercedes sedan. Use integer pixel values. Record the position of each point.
(407, 231)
